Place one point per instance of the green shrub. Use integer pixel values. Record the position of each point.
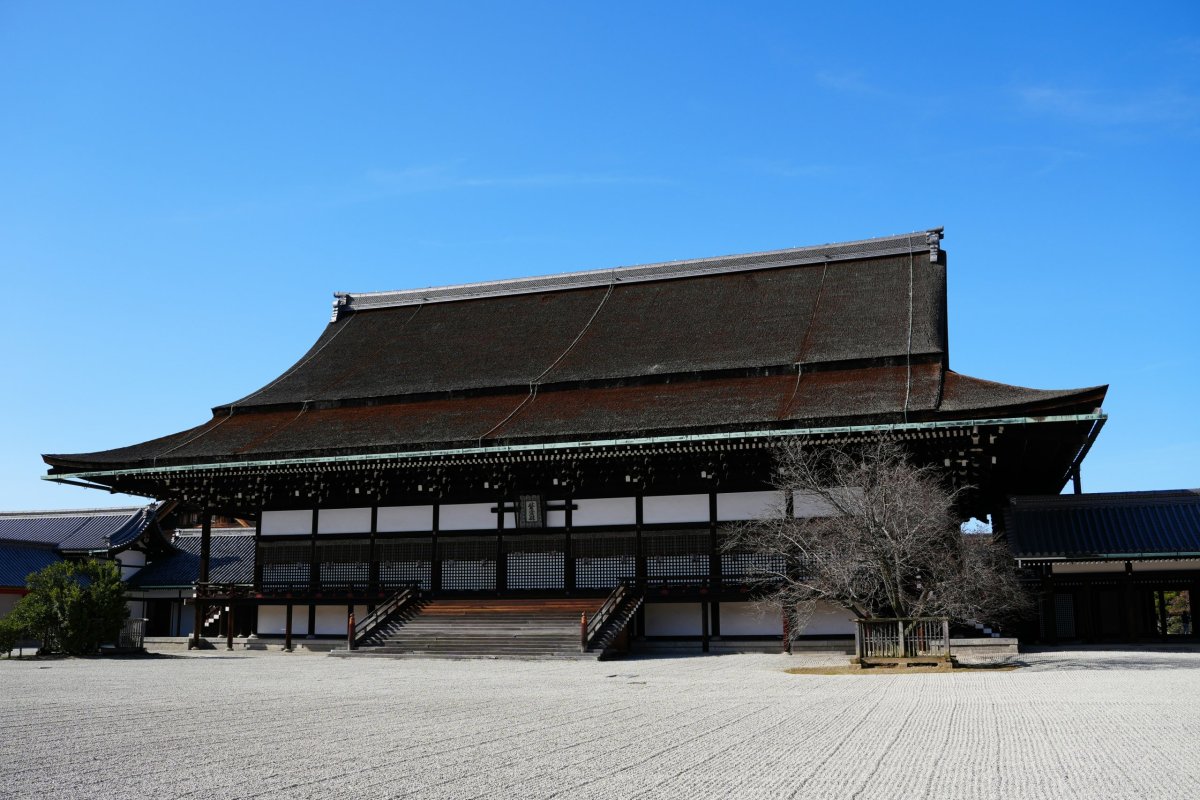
(73, 606)
(10, 634)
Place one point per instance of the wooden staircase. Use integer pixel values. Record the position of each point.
(483, 628)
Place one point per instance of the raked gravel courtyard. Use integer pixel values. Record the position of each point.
(1088, 724)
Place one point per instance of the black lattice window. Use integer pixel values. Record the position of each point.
(404, 561)
(1064, 615)
(535, 562)
(286, 565)
(603, 560)
(671, 554)
(745, 562)
(345, 564)
(468, 563)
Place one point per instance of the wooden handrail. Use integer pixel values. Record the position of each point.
(384, 612)
(590, 629)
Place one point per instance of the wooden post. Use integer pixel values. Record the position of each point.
(350, 630)
(287, 629)
(229, 625)
(582, 632)
(202, 575)
(704, 626)
(900, 640)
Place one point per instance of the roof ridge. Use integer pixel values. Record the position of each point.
(1148, 495)
(75, 512)
(663, 270)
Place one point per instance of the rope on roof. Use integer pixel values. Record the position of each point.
(533, 384)
(812, 318)
(908, 359)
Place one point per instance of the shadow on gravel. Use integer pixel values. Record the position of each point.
(1099, 657)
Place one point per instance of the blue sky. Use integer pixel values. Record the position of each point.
(182, 187)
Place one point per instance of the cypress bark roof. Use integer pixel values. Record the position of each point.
(835, 334)
(1114, 525)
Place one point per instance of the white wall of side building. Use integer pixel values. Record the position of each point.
(7, 601)
(673, 619)
(273, 620)
(751, 619)
(829, 620)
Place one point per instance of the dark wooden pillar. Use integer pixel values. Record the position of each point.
(704, 631)
(435, 556)
(229, 619)
(1129, 617)
(568, 549)
(258, 562)
(639, 559)
(287, 629)
(314, 576)
(1076, 481)
(373, 561)
(202, 574)
(501, 581)
(714, 568)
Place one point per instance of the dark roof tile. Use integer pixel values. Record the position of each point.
(231, 560)
(1093, 526)
(17, 561)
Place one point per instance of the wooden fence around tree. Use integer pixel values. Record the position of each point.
(902, 640)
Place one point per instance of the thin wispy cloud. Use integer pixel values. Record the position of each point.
(443, 177)
(782, 168)
(1155, 106)
(851, 81)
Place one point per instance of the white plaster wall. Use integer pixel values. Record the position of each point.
(332, 620)
(283, 523)
(466, 516)
(1160, 566)
(395, 519)
(273, 619)
(750, 619)
(732, 506)
(675, 508)
(673, 619)
(809, 505)
(510, 520)
(828, 621)
(344, 520)
(556, 519)
(131, 561)
(7, 601)
(1094, 566)
(605, 511)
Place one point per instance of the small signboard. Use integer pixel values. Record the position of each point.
(531, 511)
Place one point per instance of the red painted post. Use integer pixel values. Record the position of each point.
(582, 632)
(350, 632)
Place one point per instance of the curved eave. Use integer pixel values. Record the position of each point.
(103, 477)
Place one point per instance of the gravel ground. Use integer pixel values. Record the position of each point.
(1084, 724)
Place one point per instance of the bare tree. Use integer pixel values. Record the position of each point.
(877, 536)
